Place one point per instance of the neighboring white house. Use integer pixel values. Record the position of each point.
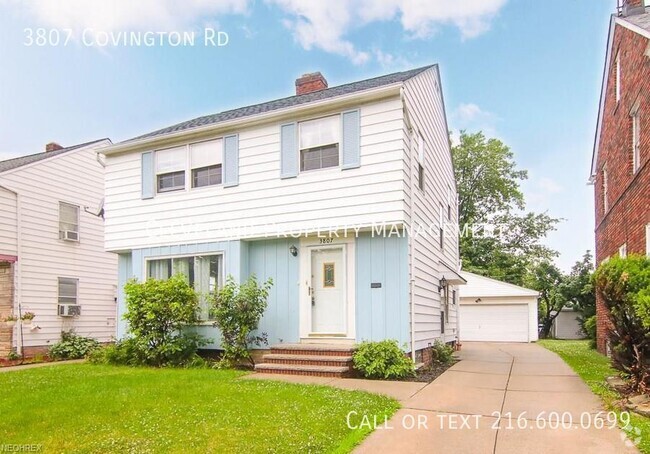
(496, 311)
(567, 325)
(52, 257)
(270, 190)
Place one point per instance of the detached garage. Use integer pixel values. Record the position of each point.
(496, 311)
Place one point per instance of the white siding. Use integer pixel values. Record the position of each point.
(424, 103)
(77, 178)
(262, 203)
(8, 222)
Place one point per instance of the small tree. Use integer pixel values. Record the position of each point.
(546, 278)
(580, 293)
(158, 312)
(237, 311)
(623, 284)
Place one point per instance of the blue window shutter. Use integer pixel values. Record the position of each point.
(288, 150)
(350, 149)
(147, 175)
(231, 161)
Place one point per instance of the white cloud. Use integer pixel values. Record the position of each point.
(109, 15)
(314, 24)
(471, 117)
(541, 192)
(325, 24)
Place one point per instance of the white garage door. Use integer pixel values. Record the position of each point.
(496, 323)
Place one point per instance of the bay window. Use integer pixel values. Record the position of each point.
(319, 143)
(203, 272)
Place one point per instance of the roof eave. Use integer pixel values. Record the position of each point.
(250, 120)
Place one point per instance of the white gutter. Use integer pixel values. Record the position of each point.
(250, 120)
(411, 243)
(17, 264)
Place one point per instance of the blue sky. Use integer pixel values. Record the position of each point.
(526, 72)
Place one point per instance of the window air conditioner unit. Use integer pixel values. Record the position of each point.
(69, 235)
(69, 310)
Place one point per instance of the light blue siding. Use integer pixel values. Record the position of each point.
(272, 259)
(382, 313)
(124, 273)
(350, 147)
(147, 175)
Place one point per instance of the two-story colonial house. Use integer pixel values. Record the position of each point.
(341, 195)
(52, 258)
(620, 171)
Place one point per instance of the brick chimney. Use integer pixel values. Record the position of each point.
(631, 7)
(309, 83)
(53, 146)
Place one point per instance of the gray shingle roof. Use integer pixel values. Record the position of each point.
(287, 102)
(640, 20)
(14, 163)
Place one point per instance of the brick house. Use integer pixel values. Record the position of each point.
(620, 171)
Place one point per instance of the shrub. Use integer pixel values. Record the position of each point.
(383, 360)
(72, 346)
(589, 329)
(442, 353)
(623, 285)
(159, 312)
(237, 311)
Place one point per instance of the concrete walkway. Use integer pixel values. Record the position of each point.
(501, 398)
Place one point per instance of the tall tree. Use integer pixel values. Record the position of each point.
(497, 238)
(579, 289)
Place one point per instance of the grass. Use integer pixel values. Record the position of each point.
(594, 368)
(89, 408)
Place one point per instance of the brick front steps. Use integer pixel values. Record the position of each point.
(317, 360)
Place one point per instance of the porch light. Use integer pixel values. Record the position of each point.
(443, 284)
(294, 250)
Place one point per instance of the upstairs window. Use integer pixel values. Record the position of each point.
(449, 200)
(319, 143)
(170, 169)
(636, 140)
(419, 148)
(205, 161)
(68, 222)
(442, 229)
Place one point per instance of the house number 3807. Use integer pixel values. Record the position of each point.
(326, 240)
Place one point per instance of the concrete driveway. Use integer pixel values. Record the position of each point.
(501, 398)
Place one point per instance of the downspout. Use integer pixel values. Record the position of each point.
(411, 243)
(18, 274)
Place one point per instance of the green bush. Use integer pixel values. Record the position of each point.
(383, 360)
(237, 309)
(160, 315)
(442, 353)
(623, 284)
(72, 346)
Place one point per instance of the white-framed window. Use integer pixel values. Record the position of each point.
(636, 140)
(605, 190)
(441, 228)
(617, 76)
(68, 221)
(68, 290)
(319, 143)
(420, 159)
(205, 162)
(647, 240)
(622, 251)
(170, 169)
(449, 200)
(203, 272)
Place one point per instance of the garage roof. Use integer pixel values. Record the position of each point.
(483, 287)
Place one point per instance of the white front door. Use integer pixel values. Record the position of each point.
(328, 291)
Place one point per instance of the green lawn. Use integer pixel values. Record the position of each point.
(88, 408)
(594, 368)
